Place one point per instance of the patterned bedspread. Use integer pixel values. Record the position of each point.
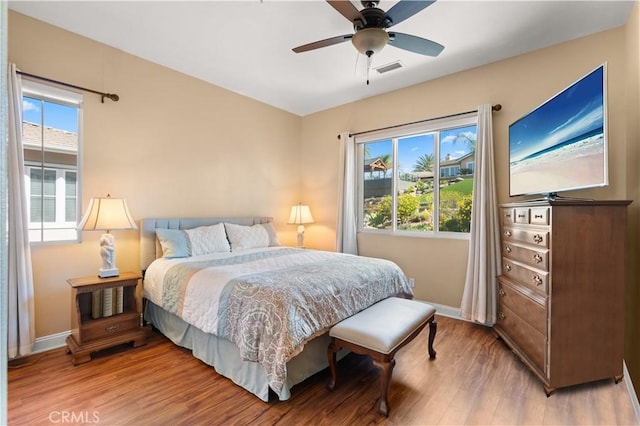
(270, 302)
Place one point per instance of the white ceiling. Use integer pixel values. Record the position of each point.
(245, 46)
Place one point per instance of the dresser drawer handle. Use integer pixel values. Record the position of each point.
(522, 215)
(507, 249)
(538, 216)
(537, 280)
(507, 267)
(537, 258)
(538, 238)
(502, 316)
(507, 233)
(112, 328)
(502, 293)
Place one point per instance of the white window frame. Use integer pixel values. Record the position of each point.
(399, 133)
(60, 193)
(65, 229)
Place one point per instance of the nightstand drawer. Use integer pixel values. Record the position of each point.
(110, 326)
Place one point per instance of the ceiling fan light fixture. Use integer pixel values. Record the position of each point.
(370, 40)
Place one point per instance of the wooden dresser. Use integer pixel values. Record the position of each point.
(561, 292)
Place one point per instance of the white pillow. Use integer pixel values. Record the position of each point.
(273, 237)
(246, 237)
(208, 239)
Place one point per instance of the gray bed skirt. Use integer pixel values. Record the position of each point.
(225, 358)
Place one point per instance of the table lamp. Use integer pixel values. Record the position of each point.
(300, 215)
(107, 214)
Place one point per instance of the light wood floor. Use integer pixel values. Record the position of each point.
(474, 380)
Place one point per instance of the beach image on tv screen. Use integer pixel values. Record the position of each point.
(561, 145)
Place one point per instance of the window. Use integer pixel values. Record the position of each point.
(51, 140)
(418, 181)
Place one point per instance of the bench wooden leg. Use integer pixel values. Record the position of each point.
(386, 369)
(385, 362)
(331, 354)
(433, 328)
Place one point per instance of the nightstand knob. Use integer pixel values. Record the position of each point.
(112, 328)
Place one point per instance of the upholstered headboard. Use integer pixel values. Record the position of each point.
(151, 250)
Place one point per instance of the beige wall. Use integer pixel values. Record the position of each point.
(172, 145)
(518, 84)
(632, 330)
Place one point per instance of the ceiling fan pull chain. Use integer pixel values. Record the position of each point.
(369, 54)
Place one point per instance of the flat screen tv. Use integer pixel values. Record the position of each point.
(562, 144)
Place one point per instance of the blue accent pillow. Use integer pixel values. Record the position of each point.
(174, 243)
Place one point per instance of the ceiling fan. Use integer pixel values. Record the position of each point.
(370, 26)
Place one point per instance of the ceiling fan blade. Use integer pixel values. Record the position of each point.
(322, 43)
(349, 11)
(415, 44)
(405, 9)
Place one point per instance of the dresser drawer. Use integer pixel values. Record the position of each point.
(521, 215)
(539, 216)
(508, 215)
(539, 238)
(524, 303)
(529, 340)
(110, 326)
(533, 278)
(536, 257)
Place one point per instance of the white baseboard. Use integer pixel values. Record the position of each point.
(632, 391)
(447, 311)
(52, 341)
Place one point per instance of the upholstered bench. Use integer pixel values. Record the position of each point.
(380, 331)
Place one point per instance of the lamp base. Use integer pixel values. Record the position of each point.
(106, 273)
(300, 236)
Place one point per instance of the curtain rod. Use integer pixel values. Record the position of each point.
(496, 107)
(103, 95)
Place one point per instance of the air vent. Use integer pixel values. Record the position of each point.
(389, 67)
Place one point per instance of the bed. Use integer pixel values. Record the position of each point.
(257, 312)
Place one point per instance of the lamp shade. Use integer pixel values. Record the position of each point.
(370, 40)
(106, 214)
(300, 215)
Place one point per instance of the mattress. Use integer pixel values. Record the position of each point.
(270, 302)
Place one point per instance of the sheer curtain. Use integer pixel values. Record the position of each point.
(4, 73)
(479, 299)
(346, 237)
(21, 327)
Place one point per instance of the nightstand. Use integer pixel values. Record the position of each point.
(91, 331)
